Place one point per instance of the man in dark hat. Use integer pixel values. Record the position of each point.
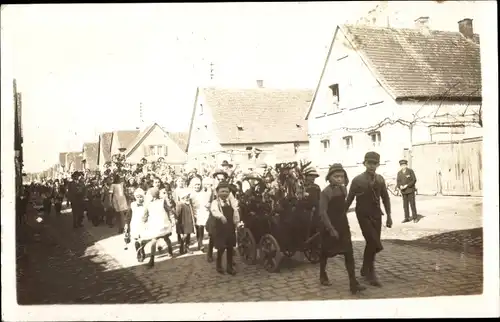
(76, 194)
(368, 188)
(406, 180)
(335, 232)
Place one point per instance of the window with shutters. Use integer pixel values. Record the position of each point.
(160, 150)
(152, 150)
(165, 150)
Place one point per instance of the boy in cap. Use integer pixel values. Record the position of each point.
(336, 233)
(368, 188)
(406, 180)
(227, 219)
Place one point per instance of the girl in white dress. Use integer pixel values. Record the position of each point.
(137, 222)
(200, 201)
(158, 223)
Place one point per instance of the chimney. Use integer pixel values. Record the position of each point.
(422, 23)
(465, 28)
(260, 83)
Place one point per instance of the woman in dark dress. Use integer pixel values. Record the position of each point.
(336, 233)
(226, 219)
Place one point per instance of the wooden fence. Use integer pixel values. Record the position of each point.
(449, 168)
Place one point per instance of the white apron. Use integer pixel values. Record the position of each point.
(200, 200)
(136, 222)
(158, 222)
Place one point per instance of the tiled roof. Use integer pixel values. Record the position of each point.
(263, 114)
(105, 141)
(139, 138)
(181, 138)
(413, 64)
(90, 153)
(124, 139)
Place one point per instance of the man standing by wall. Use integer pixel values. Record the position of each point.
(406, 180)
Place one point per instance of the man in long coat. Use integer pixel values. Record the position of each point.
(406, 180)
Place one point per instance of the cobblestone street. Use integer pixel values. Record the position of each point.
(415, 262)
(65, 266)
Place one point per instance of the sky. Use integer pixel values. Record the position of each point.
(85, 68)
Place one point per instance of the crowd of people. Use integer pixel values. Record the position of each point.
(150, 203)
(147, 206)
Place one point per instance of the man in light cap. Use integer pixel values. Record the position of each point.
(368, 188)
(406, 180)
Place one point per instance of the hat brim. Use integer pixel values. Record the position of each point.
(220, 172)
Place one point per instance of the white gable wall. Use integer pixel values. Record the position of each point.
(203, 140)
(363, 104)
(174, 154)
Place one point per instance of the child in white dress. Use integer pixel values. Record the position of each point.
(137, 222)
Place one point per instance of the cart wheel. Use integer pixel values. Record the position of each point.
(289, 253)
(312, 252)
(270, 253)
(247, 247)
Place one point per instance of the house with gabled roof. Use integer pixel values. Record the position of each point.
(110, 143)
(155, 142)
(73, 162)
(388, 89)
(248, 125)
(151, 143)
(90, 155)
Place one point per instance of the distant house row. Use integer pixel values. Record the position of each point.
(397, 91)
(151, 143)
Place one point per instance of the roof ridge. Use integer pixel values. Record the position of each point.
(259, 88)
(401, 28)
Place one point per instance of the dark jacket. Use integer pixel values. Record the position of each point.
(407, 178)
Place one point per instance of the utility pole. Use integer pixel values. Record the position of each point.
(141, 116)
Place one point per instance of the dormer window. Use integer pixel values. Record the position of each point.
(240, 127)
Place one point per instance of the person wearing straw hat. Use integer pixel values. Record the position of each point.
(406, 180)
(336, 233)
(368, 188)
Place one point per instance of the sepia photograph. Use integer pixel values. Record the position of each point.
(231, 161)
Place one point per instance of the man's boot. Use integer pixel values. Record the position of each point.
(141, 254)
(230, 266)
(210, 250)
(372, 277)
(323, 278)
(218, 264)
(181, 245)
(151, 262)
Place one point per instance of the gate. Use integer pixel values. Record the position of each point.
(449, 168)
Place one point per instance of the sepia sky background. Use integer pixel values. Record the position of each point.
(84, 69)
